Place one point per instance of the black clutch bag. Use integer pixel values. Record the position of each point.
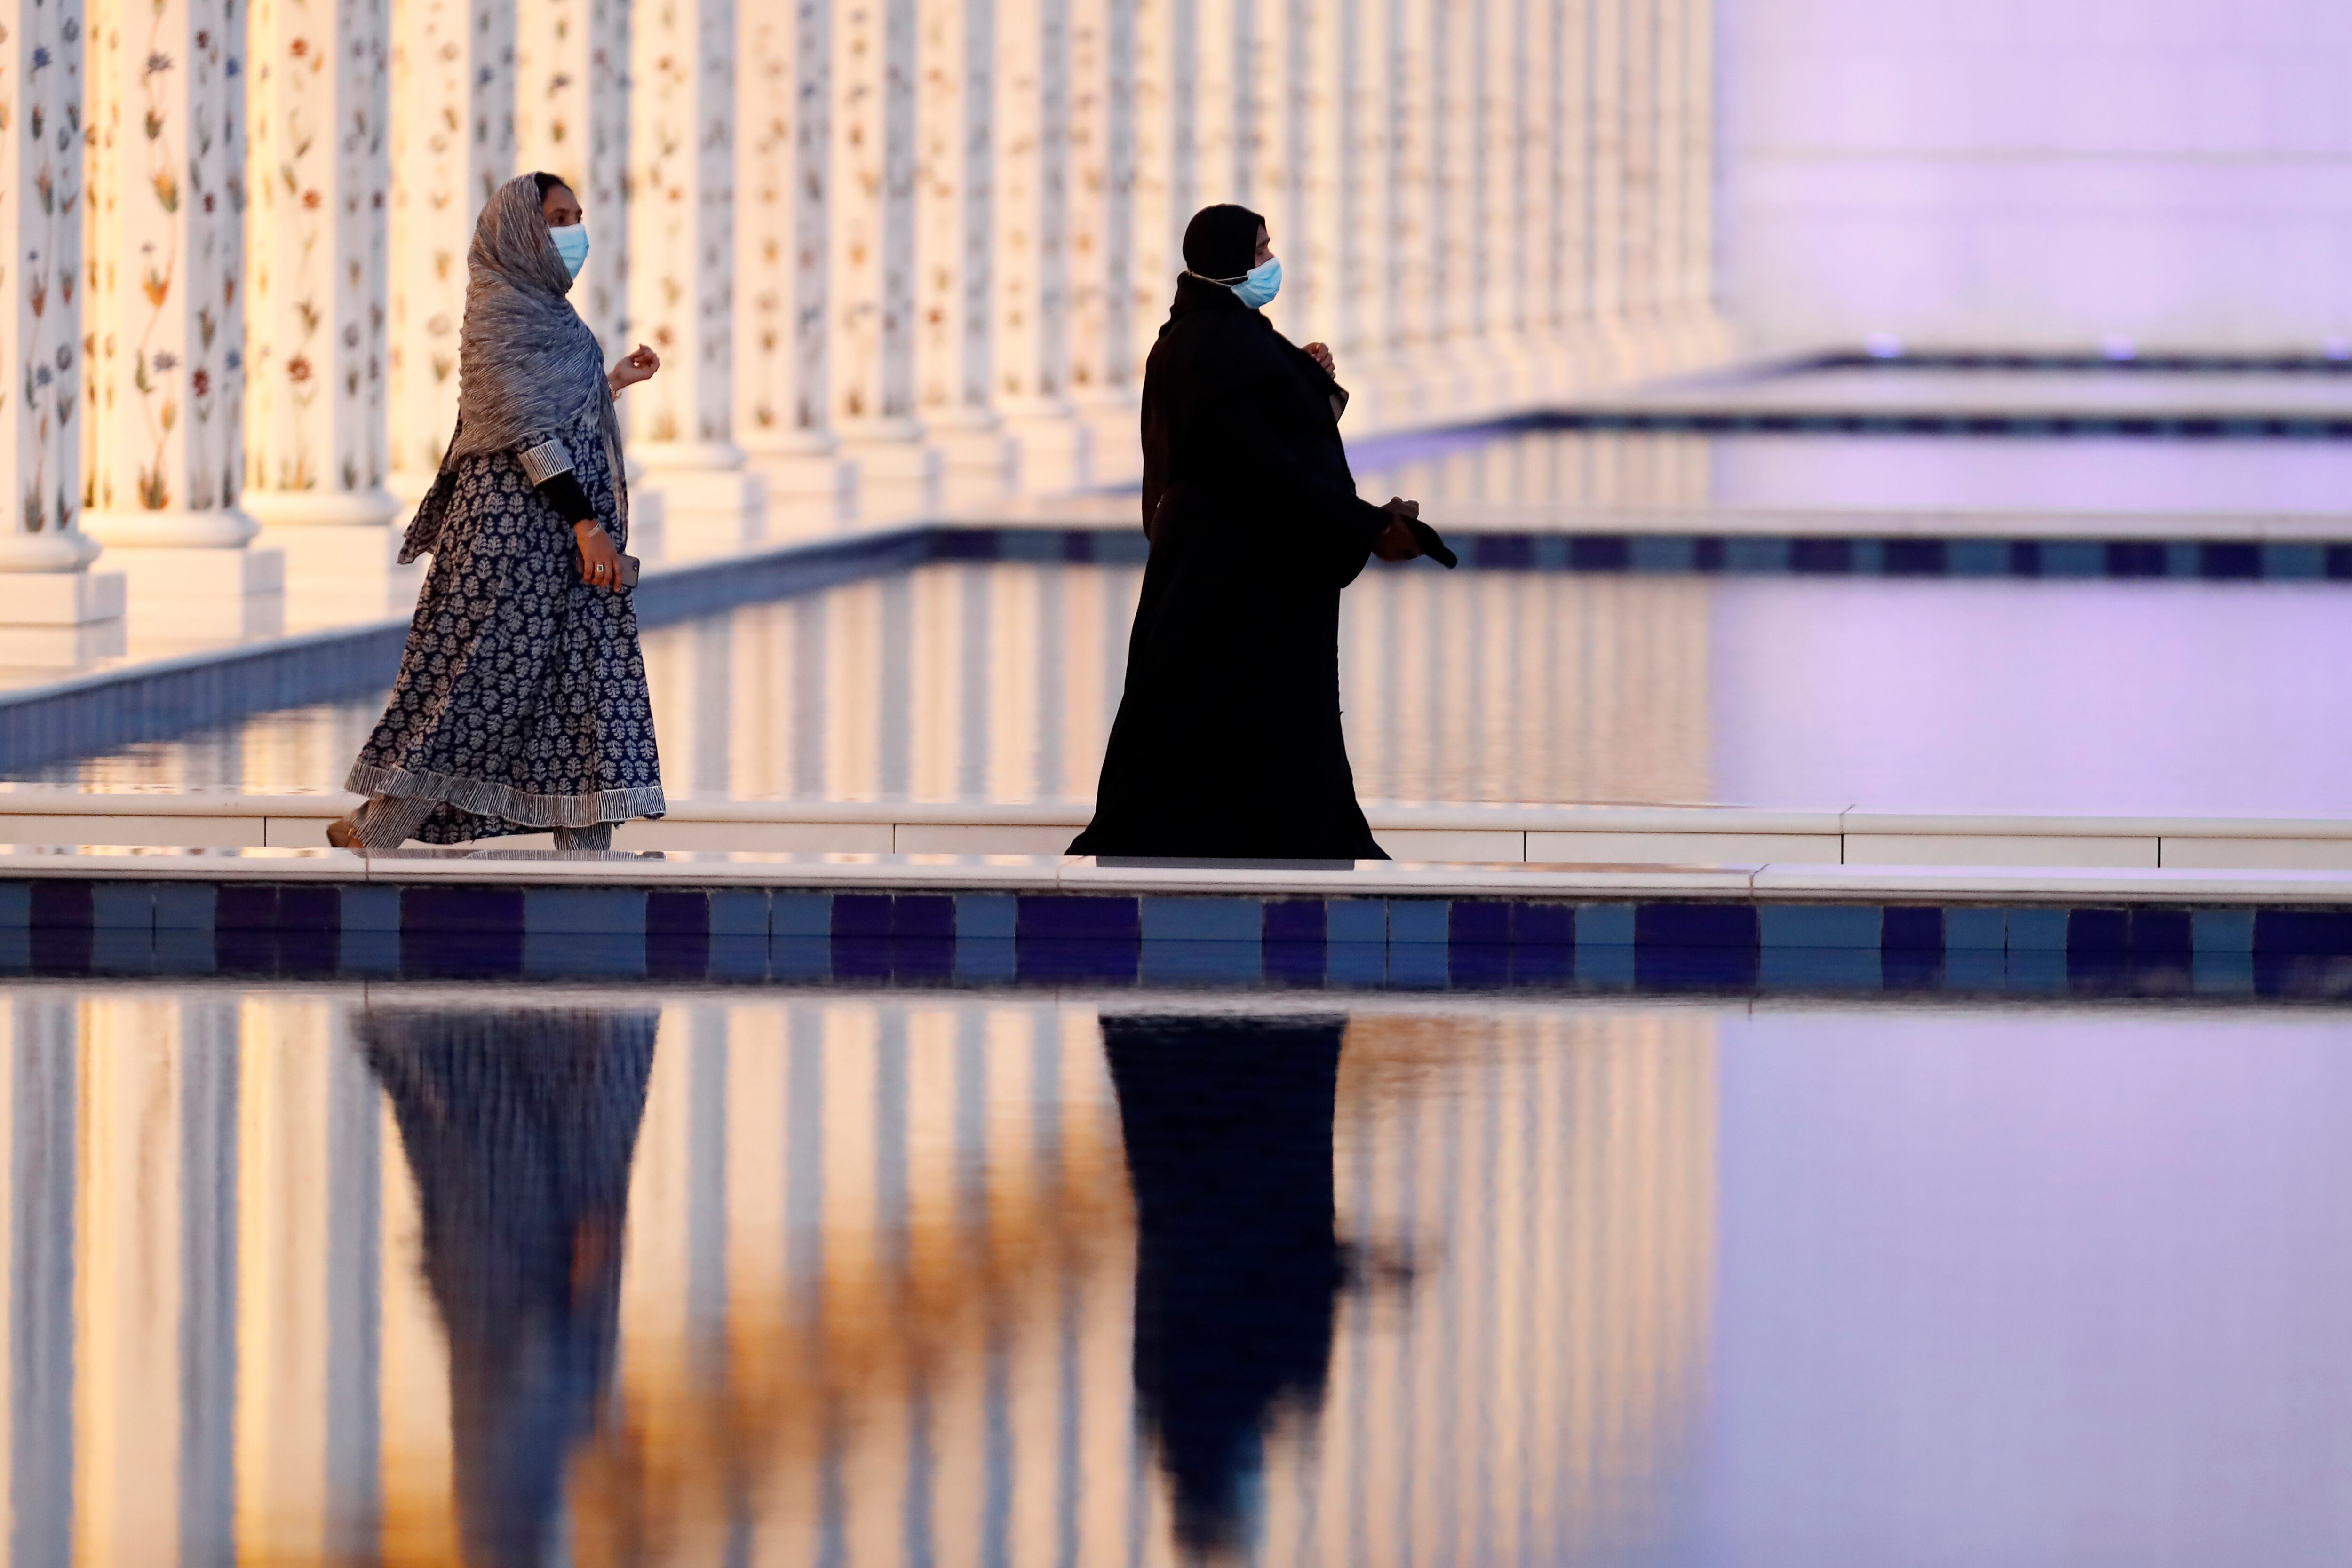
(1433, 543)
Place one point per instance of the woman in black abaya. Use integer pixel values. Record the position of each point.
(1227, 742)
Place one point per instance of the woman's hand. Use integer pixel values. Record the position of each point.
(600, 558)
(1396, 542)
(1321, 354)
(638, 365)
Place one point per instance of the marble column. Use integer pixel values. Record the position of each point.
(164, 323)
(1103, 367)
(682, 273)
(783, 174)
(1403, 382)
(453, 143)
(872, 233)
(50, 600)
(320, 172)
(1032, 243)
(1700, 332)
(1616, 354)
(954, 212)
(572, 119)
(1160, 201)
(1323, 181)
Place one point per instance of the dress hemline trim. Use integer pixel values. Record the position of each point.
(506, 803)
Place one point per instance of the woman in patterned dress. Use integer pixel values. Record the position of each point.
(520, 705)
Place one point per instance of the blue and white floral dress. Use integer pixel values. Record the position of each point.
(521, 701)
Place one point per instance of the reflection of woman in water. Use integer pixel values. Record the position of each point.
(519, 1126)
(1228, 1128)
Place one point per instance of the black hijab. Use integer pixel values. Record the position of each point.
(1220, 242)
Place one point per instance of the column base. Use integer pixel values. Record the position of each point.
(223, 529)
(372, 508)
(1055, 448)
(898, 477)
(184, 598)
(1113, 437)
(810, 490)
(711, 504)
(36, 653)
(338, 574)
(54, 599)
(977, 458)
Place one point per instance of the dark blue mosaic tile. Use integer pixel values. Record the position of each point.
(739, 914)
(1478, 965)
(2161, 934)
(1915, 557)
(930, 918)
(1502, 552)
(1419, 922)
(1975, 930)
(1706, 554)
(2294, 562)
(1295, 963)
(2024, 558)
(1675, 966)
(1479, 923)
(1543, 925)
(798, 958)
(1847, 968)
(369, 918)
(59, 920)
(1911, 929)
(1543, 965)
(1720, 926)
(2301, 932)
(1599, 552)
(1055, 960)
(2098, 931)
(1663, 552)
(1055, 918)
(1192, 961)
(2339, 562)
(964, 544)
(861, 957)
(985, 960)
(2230, 562)
(2039, 929)
(461, 932)
(1819, 926)
(922, 961)
(1606, 925)
(2137, 558)
(1821, 557)
(865, 916)
(678, 934)
(1744, 554)
(1298, 920)
(1420, 966)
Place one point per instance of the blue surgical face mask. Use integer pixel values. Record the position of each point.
(1259, 284)
(572, 244)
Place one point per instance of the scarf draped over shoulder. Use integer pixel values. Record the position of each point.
(527, 366)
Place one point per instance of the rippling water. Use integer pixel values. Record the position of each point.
(495, 1276)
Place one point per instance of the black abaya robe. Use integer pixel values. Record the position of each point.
(1227, 742)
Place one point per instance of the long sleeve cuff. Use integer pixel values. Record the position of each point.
(544, 461)
(563, 493)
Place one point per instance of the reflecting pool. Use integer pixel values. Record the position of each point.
(498, 1275)
(997, 680)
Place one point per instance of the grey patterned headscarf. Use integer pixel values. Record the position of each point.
(527, 366)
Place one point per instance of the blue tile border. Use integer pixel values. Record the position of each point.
(129, 927)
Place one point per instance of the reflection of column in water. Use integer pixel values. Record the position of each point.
(1228, 1128)
(153, 1428)
(38, 1195)
(309, 1293)
(1527, 687)
(519, 1127)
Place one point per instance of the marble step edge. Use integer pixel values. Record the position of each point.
(66, 801)
(1041, 874)
(2037, 524)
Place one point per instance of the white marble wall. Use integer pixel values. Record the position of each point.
(2049, 172)
(879, 243)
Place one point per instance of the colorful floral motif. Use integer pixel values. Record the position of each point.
(40, 211)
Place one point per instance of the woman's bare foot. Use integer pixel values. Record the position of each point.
(343, 834)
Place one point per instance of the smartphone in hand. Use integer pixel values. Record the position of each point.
(629, 565)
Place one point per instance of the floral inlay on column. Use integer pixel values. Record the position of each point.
(873, 232)
(41, 280)
(320, 174)
(955, 190)
(681, 213)
(782, 175)
(165, 323)
(452, 141)
(572, 119)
